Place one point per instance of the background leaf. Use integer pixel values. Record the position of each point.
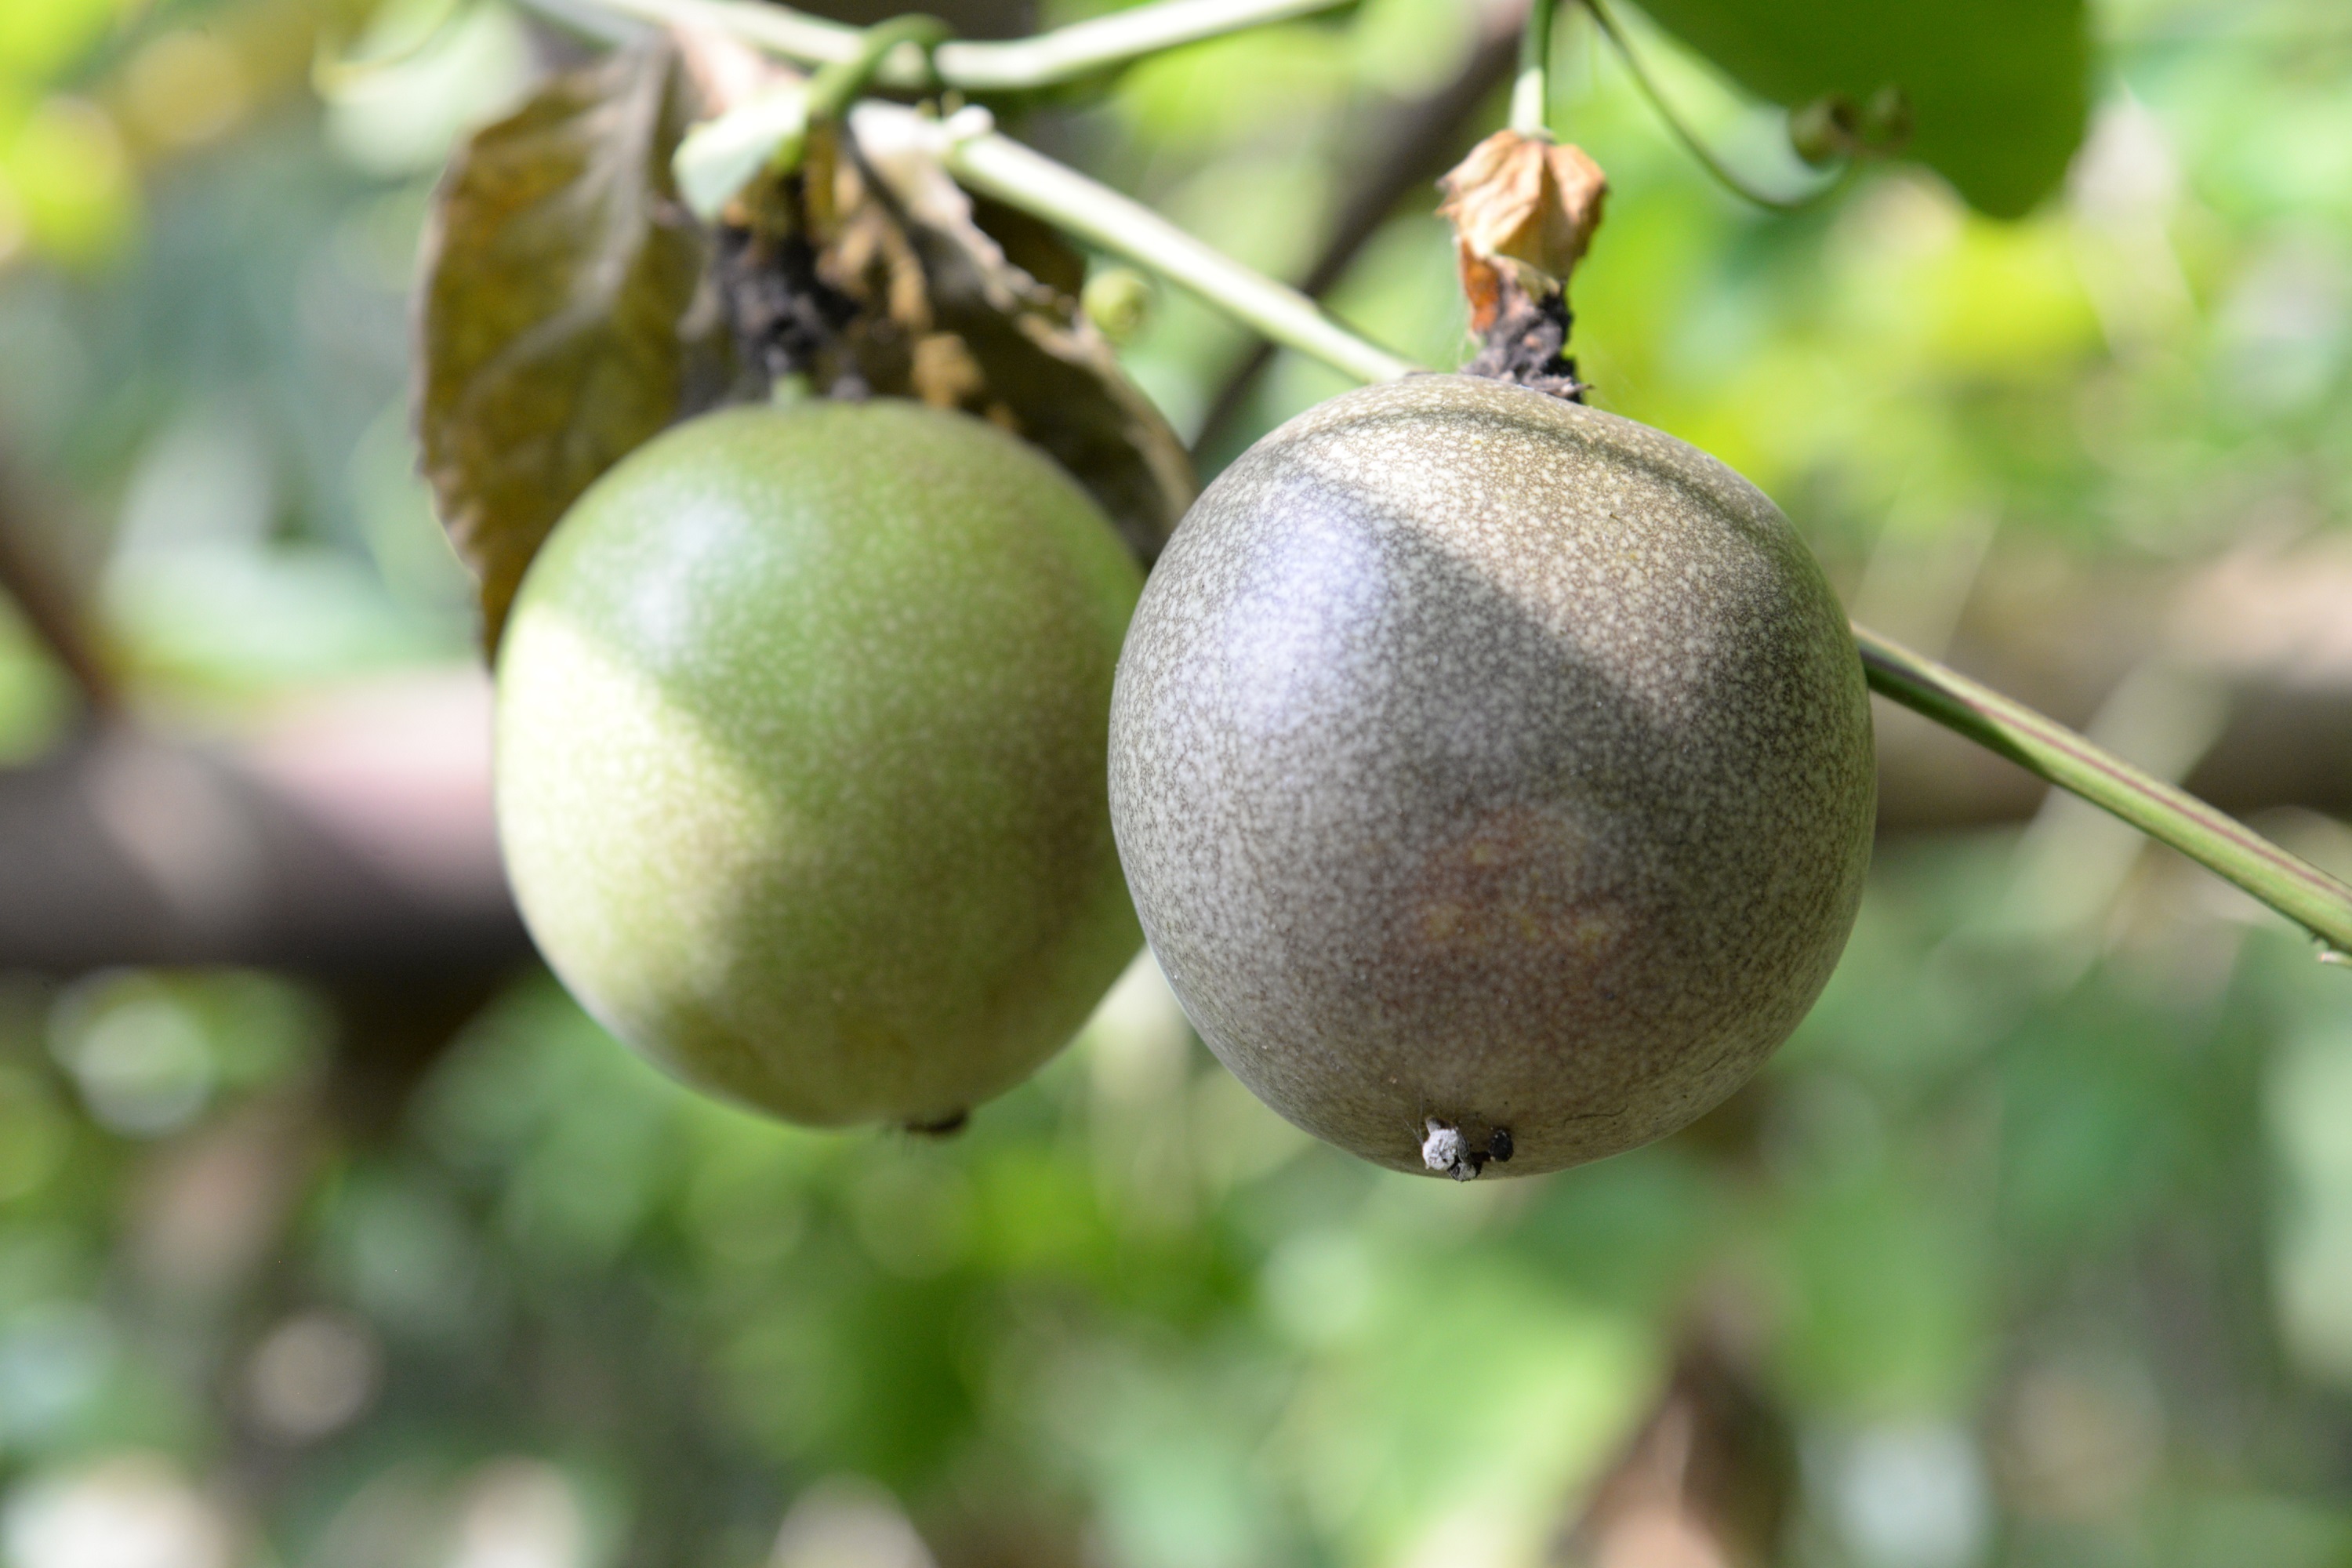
(559, 270)
(1998, 87)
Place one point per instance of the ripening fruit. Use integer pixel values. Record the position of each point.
(801, 738)
(1492, 776)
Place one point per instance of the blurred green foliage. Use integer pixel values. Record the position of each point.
(2040, 1233)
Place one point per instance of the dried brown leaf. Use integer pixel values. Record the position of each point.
(561, 274)
(1049, 374)
(880, 279)
(870, 273)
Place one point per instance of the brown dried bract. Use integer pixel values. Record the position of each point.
(1521, 207)
(871, 273)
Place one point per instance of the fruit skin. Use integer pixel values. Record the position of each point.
(1484, 758)
(801, 717)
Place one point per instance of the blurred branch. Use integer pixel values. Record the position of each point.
(352, 838)
(1422, 142)
(51, 609)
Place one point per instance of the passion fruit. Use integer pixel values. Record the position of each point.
(1492, 776)
(802, 718)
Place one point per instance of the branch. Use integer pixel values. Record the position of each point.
(1421, 145)
(353, 836)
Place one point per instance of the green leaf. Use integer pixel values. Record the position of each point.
(560, 269)
(1998, 87)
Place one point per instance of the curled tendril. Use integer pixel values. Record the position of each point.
(1690, 138)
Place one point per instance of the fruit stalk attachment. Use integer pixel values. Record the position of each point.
(2292, 886)
(1531, 89)
(1523, 209)
(770, 131)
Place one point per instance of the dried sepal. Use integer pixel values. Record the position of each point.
(1523, 208)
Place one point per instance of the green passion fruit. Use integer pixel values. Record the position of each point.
(1492, 776)
(800, 757)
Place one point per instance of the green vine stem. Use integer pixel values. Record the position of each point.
(2293, 887)
(1019, 65)
(996, 165)
(1531, 89)
(1083, 48)
(831, 90)
(770, 130)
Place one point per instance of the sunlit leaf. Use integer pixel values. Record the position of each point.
(71, 179)
(1998, 90)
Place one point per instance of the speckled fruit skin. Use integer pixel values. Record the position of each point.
(801, 717)
(1481, 757)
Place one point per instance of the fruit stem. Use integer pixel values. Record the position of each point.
(2292, 886)
(998, 166)
(832, 89)
(1046, 59)
(1531, 89)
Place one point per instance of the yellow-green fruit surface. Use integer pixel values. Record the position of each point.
(800, 771)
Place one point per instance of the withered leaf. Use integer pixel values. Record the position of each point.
(560, 273)
(1019, 350)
